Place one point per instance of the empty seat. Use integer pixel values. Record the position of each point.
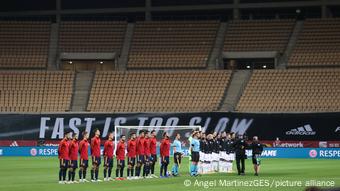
(258, 35)
(294, 90)
(172, 44)
(318, 44)
(24, 44)
(35, 91)
(92, 36)
(157, 91)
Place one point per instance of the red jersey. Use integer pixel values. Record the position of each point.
(108, 149)
(131, 148)
(153, 145)
(165, 148)
(140, 146)
(83, 149)
(74, 150)
(95, 147)
(120, 152)
(63, 149)
(147, 146)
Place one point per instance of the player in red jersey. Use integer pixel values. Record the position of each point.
(153, 152)
(165, 153)
(146, 169)
(120, 154)
(63, 155)
(108, 157)
(131, 152)
(73, 163)
(140, 153)
(84, 157)
(95, 153)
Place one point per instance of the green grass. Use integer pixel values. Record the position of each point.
(29, 173)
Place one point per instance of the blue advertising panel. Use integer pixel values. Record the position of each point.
(318, 153)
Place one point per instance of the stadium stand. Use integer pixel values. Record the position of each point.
(91, 36)
(158, 91)
(318, 44)
(184, 45)
(172, 44)
(293, 90)
(24, 44)
(258, 35)
(35, 91)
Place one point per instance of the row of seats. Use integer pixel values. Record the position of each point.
(35, 91)
(24, 44)
(259, 35)
(169, 44)
(293, 90)
(157, 91)
(318, 44)
(91, 36)
(183, 44)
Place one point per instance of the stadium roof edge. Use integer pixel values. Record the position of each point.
(173, 8)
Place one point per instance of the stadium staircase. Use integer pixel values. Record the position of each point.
(283, 61)
(81, 90)
(233, 92)
(215, 56)
(53, 47)
(123, 60)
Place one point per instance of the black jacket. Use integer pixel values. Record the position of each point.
(257, 147)
(230, 146)
(240, 146)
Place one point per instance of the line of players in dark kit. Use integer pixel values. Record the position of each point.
(218, 151)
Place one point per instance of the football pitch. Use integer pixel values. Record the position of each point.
(41, 174)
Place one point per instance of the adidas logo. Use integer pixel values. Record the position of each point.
(304, 130)
(14, 144)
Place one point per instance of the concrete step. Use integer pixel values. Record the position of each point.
(82, 88)
(283, 61)
(53, 47)
(235, 89)
(124, 57)
(216, 53)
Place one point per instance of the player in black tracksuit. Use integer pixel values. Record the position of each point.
(230, 145)
(210, 146)
(216, 145)
(216, 151)
(223, 144)
(203, 148)
(240, 146)
(230, 151)
(257, 149)
(202, 144)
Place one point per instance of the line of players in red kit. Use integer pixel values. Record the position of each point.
(141, 156)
